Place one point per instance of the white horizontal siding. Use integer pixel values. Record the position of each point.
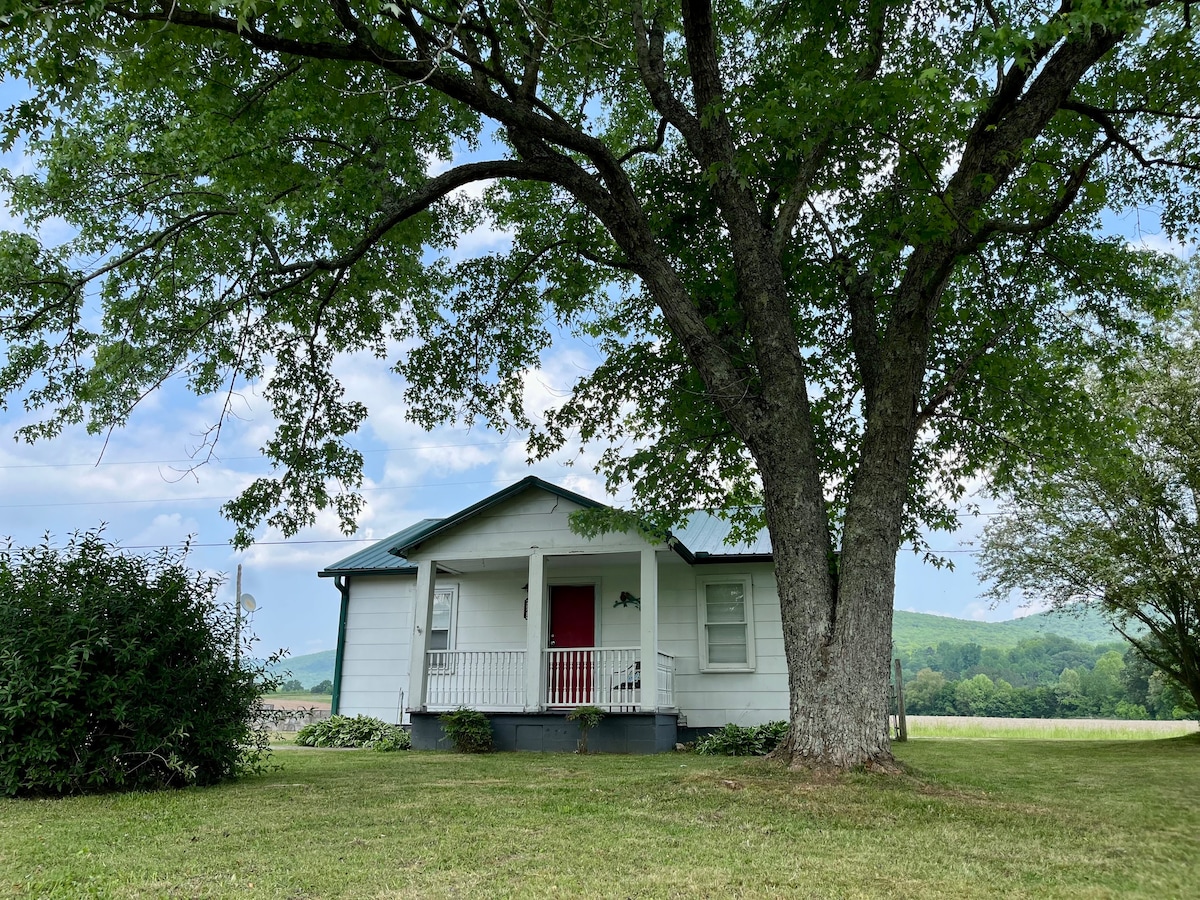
(375, 666)
(532, 519)
(711, 699)
(377, 647)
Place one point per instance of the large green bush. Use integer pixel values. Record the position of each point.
(119, 672)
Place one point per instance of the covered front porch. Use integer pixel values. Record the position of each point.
(589, 640)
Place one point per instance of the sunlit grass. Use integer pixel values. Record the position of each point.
(987, 818)
(1045, 729)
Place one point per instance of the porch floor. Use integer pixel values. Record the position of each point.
(552, 732)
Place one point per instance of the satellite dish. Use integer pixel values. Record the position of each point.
(249, 604)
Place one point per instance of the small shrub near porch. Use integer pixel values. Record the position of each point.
(354, 731)
(743, 740)
(469, 730)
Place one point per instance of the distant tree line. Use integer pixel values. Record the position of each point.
(294, 686)
(1046, 677)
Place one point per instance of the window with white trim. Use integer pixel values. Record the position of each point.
(441, 628)
(726, 605)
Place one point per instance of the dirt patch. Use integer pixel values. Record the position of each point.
(277, 703)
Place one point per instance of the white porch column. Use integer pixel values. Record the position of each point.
(649, 629)
(418, 667)
(534, 631)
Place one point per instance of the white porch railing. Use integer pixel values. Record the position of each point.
(495, 680)
(666, 681)
(608, 677)
(481, 679)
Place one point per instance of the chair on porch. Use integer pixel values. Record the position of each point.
(622, 687)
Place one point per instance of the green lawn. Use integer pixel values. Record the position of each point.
(972, 819)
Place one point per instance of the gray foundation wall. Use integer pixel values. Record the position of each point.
(552, 733)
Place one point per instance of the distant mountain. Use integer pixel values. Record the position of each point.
(309, 669)
(913, 631)
(910, 631)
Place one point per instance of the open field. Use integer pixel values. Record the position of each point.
(972, 819)
(1046, 729)
(298, 700)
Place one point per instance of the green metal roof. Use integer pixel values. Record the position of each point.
(378, 558)
(704, 537)
(700, 539)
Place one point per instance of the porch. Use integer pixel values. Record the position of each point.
(497, 680)
(530, 631)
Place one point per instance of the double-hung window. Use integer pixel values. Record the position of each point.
(441, 628)
(726, 607)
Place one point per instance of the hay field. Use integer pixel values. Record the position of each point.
(1046, 729)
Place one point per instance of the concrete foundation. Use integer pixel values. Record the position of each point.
(551, 732)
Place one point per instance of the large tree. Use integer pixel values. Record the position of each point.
(1118, 529)
(825, 246)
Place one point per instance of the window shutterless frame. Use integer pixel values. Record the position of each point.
(725, 605)
(444, 617)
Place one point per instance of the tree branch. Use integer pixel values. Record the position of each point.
(1057, 209)
(1105, 121)
(649, 46)
(418, 201)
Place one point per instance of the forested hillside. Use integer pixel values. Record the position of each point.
(310, 669)
(911, 631)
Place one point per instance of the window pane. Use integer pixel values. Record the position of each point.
(727, 644)
(439, 639)
(441, 610)
(725, 602)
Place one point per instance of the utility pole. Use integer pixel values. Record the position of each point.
(237, 629)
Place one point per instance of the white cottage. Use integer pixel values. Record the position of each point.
(502, 608)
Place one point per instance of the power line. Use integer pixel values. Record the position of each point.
(366, 490)
(225, 544)
(190, 461)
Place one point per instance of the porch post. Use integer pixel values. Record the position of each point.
(418, 667)
(534, 630)
(649, 630)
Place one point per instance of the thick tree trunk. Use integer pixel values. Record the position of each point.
(838, 634)
(838, 646)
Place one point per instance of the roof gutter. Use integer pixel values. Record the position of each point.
(343, 586)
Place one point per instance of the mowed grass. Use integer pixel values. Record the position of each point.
(971, 818)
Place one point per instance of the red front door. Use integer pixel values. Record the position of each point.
(572, 624)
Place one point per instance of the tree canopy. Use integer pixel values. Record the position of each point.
(837, 255)
(1119, 529)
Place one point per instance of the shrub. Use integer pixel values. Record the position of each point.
(119, 672)
(468, 729)
(356, 731)
(743, 740)
(588, 718)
